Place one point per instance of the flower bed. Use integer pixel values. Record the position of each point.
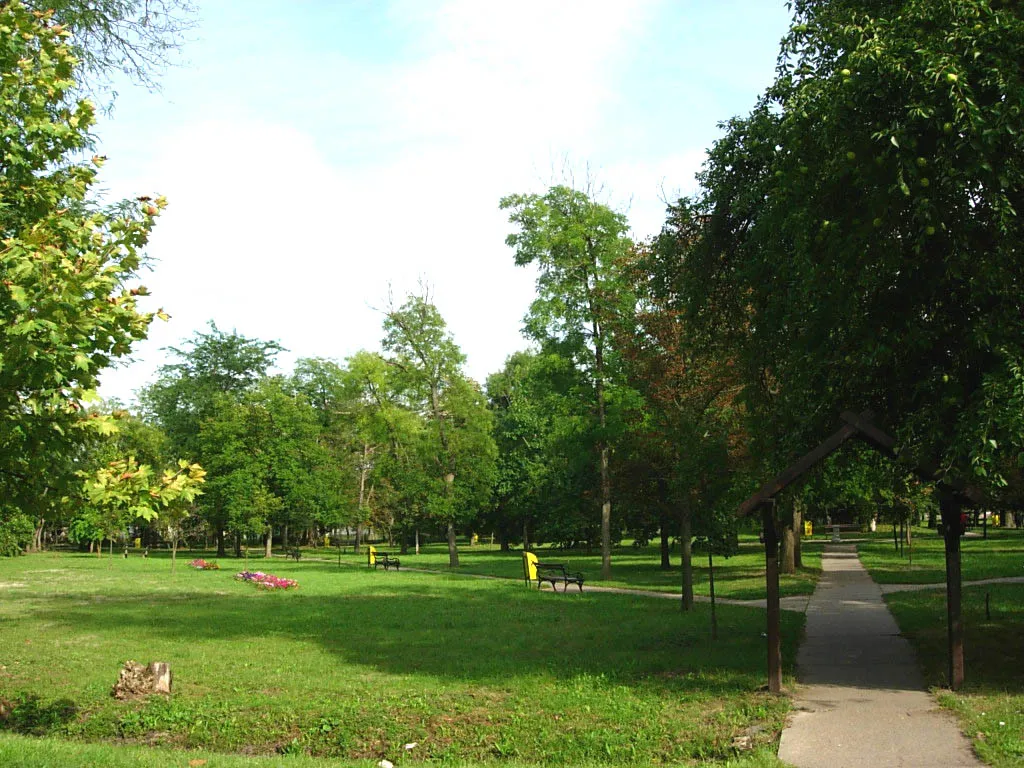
(203, 565)
(266, 580)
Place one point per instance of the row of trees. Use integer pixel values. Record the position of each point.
(854, 245)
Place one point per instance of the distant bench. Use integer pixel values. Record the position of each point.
(551, 573)
(375, 558)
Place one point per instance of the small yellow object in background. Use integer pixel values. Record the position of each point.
(808, 528)
(138, 542)
(371, 556)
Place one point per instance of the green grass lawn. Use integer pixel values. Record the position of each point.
(357, 663)
(739, 577)
(1002, 554)
(990, 706)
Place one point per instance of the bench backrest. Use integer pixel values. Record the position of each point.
(529, 567)
(371, 556)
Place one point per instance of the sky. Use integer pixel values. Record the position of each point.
(322, 156)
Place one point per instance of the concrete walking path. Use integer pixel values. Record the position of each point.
(862, 701)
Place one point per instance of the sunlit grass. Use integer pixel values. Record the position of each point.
(1001, 554)
(358, 663)
(739, 577)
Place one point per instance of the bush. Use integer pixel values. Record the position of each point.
(15, 534)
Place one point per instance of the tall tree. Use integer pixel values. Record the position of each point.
(690, 426)
(862, 246)
(577, 246)
(457, 451)
(207, 368)
(68, 291)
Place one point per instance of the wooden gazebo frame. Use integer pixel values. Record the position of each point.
(952, 498)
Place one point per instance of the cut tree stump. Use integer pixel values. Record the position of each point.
(136, 680)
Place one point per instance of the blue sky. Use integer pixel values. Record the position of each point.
(318, 154)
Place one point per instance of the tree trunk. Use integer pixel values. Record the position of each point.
(269, 544)
(666, 559)
(686, 544)
(238, 546)
(798, 533)
(174, 552)
(363, 469)
(284, 536)
(771, 571)
(221, 551)
(37, 536)
(91, 546)
(1009, 521)
(606, 509)
(711, 586)
(931, 517)
(787, 561)
(954, 617)
(453, 552)
(417, 541)
(526, 536)
(503, 538)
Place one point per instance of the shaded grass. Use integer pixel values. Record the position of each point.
(990, 706)
(740, 577)
(357, 663)
(1002, 554)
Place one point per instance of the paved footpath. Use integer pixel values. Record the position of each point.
(861, 701)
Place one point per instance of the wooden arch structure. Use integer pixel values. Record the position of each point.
(952, 498)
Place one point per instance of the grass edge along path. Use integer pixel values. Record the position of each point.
(990, 705)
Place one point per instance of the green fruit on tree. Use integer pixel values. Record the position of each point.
(952, 77)
(846, 73)
(851, 155)
(925, 182)
(921, 162)
(877, 222)
(929, 230)
(947, 127)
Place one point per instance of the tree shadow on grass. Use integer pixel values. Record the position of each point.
(492, 636)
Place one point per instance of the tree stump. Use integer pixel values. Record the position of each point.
(136, 680)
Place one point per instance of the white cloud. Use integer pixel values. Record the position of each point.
(274, 231)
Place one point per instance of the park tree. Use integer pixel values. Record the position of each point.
(135, 38)
(267, 465)
(687, 436)
(456, 451)
(576, 245)
(68, 270)
(124, 490)
(208, 371)
(543, 429)
(862, 239)
(862, 242)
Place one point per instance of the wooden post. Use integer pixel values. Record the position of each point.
(771, 562)
(950, 508)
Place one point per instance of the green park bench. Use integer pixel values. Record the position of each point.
(551, 573)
